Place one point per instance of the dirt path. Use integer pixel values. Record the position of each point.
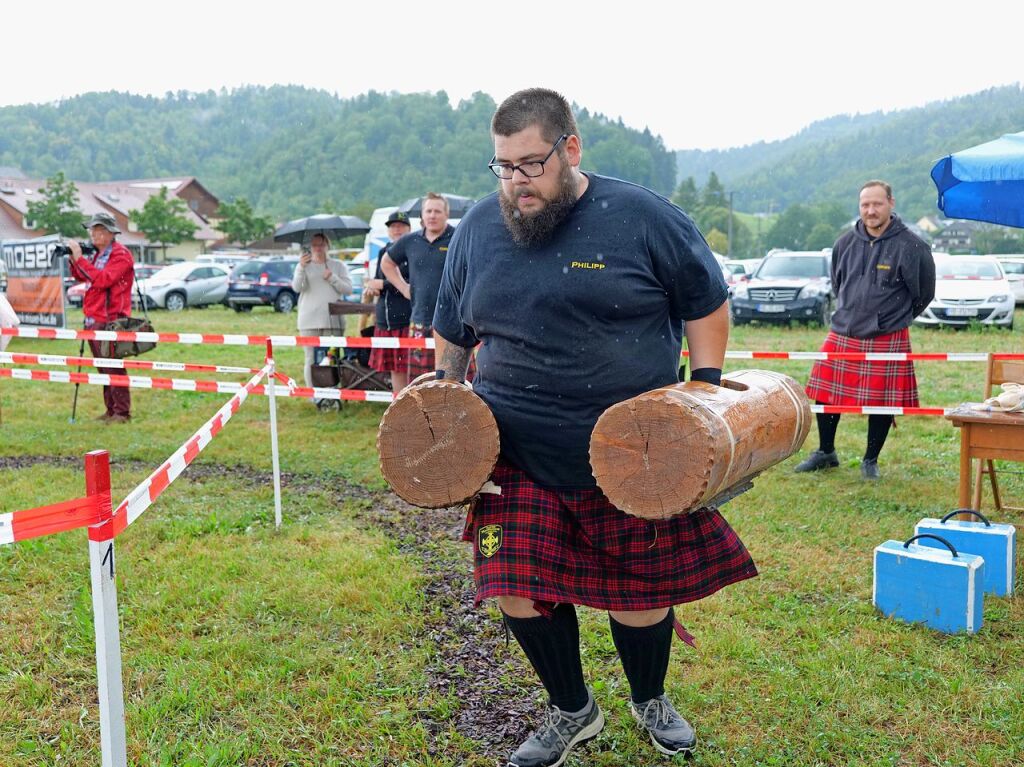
(494, 709)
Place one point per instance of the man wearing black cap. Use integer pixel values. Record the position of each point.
(393, 309)
(109, 271)
(423, 253)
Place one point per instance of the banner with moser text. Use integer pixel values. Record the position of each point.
(35, 281)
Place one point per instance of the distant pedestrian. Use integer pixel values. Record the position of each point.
(393, 309)
(110, 271)
(423, 254)
(319, 281)
(883, 276)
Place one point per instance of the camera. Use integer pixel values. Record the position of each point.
(60, 249)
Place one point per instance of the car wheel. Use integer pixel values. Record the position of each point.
(240, 308)
(175, 302)
(825, 315)
(284, 302)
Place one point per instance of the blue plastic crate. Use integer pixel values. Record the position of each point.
(939, 587)
(997, 543)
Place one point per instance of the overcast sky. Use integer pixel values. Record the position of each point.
(700, 74)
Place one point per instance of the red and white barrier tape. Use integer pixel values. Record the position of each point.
(58, 360)
(872, 410)
(428, 343)
(46, 520)
(147, 491)
(288, 389)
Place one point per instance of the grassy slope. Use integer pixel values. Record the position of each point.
(243, 646)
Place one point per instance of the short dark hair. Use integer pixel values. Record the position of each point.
(535, 106)
(436, 196)
(877, 182)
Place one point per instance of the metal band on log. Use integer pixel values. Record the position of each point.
(438, 444)
(671, 450)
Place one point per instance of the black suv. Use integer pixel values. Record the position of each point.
(263, 282)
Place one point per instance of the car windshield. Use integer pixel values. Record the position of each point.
(1013, 267)
(793, 267)
(966, 268)
(174, 272)
(250, 270)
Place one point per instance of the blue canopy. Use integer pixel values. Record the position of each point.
(985, 182)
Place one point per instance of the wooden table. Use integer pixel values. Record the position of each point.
(985, 435)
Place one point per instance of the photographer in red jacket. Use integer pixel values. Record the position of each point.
(110, 271)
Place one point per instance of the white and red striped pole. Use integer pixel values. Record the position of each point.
(275, 458)
(103, 575)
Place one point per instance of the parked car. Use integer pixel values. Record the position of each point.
(263, 282)
(1013, 267)
(787, 285)
(357, 273)
(969, 289)
(735, 272)
(76, 293)
(229, 260)
(185, 284)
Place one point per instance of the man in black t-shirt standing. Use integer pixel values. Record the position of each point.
(422, 254)
(576, 286)
(393, 310)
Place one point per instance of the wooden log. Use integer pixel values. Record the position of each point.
(438, 444)
(671, 450)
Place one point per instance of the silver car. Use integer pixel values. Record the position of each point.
(185, 284)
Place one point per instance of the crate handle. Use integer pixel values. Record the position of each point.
(967, 511)
(940, 539)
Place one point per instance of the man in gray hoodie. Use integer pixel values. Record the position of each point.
(883, 276)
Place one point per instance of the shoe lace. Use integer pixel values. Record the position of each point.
(550, 730)
(658, 711)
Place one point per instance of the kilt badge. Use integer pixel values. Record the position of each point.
(489, 539)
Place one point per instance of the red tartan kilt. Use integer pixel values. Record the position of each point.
(880, 384)
(422, 360)
(573, 546)
(389, 360)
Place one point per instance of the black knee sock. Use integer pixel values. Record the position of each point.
(644, 653)
(552, 645)
(878, 430)
(827, 425)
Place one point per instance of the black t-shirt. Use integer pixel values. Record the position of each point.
(425, 263)
(393, 309)
(571, 327)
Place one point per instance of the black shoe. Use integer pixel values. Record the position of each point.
(670, 733)
(869, 469)
(817, 461)
(550, 745)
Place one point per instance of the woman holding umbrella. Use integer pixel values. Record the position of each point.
(319, 281)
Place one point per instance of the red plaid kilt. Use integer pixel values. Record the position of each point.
(422, 360)
(881, 384)
(389, 360)
(573, 546)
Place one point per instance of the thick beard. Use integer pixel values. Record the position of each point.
(537, 228)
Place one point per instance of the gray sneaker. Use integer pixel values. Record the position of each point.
(670, 733)
(550, 745)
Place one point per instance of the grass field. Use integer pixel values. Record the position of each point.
(347, 638)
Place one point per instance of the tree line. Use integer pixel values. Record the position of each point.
(290, 151)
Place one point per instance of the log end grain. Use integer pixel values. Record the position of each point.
(437, 443)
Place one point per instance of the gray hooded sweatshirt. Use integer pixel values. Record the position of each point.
(880, 284)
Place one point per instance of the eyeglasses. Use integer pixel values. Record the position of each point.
(532, 169)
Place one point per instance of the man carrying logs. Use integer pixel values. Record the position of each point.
(575, 286)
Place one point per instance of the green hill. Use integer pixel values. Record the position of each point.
(291, 150)
(829, 160)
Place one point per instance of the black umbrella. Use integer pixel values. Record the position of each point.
(457, 205)
(301, 230)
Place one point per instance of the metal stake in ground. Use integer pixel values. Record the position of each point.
(74, 402)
